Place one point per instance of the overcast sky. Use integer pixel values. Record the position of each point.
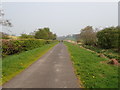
(62, 17)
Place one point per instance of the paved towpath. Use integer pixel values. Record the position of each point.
(53, 70)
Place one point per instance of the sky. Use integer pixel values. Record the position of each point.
(62, 18)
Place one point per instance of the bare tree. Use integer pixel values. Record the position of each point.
(3, 21)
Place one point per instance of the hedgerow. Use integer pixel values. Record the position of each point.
(10, 47)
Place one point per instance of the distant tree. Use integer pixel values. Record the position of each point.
(109, 37)
(88, 36)
(70, 37)
(25, 36)
(41, 34)
(45, 34)
(61, 38)
(76, 37)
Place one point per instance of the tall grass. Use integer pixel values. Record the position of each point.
(90, 70)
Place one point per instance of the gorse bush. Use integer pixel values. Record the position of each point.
(10, 47)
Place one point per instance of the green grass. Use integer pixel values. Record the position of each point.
(109, 53)
(14, 64)
(91, 72)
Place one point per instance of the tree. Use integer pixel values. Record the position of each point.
(25, 36)
(88, 36)
(45, 34)
(55, 36)
(41, 34)
(109, 37)
(3, 21)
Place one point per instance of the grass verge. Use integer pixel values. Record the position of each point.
(90, 70)
(109, 53)
(14, 64)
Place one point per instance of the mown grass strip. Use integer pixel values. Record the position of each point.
(14, 64)
(90, 70)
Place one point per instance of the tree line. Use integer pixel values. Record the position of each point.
(108, 38)
(42, 33)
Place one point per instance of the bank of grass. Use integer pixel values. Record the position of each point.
(109, 53)
(90, 70)
(14, 64)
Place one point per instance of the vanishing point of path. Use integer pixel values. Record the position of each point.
(53, 70)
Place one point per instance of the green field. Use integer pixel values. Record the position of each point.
(89, 69)
(14, 64)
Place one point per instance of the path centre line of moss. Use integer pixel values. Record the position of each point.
(14, 64)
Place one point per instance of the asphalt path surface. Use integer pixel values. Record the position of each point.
(52, 70)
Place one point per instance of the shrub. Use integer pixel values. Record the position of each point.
(10, 47)
(108, 38)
